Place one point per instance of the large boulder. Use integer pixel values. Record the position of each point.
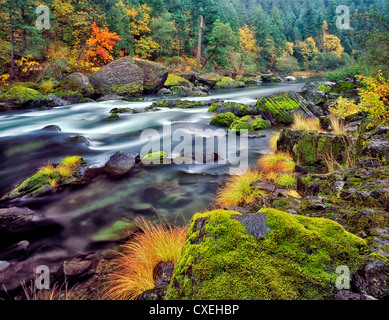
(265, 255)
(122, 162)
(177, 81)
(310, 148)
(19, 97)
(209, 79)
(129, 77)
(77, 82)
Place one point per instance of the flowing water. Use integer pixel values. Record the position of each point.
(24, 147)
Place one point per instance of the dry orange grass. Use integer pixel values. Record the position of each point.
(134, 272)
(301, 122)
(276, 163)
(338, 126)
(273, 141)
(238, 191)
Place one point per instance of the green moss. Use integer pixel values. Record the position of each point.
(177, 81)
(128, 90)
(160, 155)
(224, 119)
(38, 184)
(113, 116)
(296, 259)
(288, 181)
(259, 124)
(306, 151)
(21, 95)
(180, 104)
(277, 106)
(213, 107)
(227, 82)
(85, 100)
(120, 110)
(238, 126)
(324, 88)
(31, 184)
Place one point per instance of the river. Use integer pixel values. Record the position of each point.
(24, 147)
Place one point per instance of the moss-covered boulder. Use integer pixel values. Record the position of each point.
(224, 119)
(77, 82)
(129, 77)
(209, 79)
(179, 104)
(311, 148)
(228, 83)
(239, 125)
(48, 178)
(259, 124)
(177, 81)
(19, 97)
(268, 255)
(237, 109)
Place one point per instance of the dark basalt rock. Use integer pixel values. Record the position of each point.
(122, 162)
(255, 224)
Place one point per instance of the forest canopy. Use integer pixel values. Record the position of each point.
(246, 35)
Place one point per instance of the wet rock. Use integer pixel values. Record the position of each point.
(374, 280)
(264, 185)
(242, 210)
(17, 224)
(52, 128)
(122, 162)
(163, 273)
(79, 139)
(290, 78)
(271, 77)
(201, 157)
(58, 102)
(3, 265)
(349, 295)
(79, 268)
(15, 251)
(338, 186)
(164, 91)
(161, 190)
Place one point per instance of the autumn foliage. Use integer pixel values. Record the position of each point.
(101, 45)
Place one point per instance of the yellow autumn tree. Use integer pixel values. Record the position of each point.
(247, 41)
(140, 18)
(331, 43)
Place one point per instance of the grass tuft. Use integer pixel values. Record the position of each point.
(134, 270)
(273, 141)
(338, 126)
(301, 122)
(238, 190)
(276, 162)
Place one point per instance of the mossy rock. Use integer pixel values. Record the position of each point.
(224, 119)
(38, 184)
(238, 109)
(177, 81)
(260, 124)
(310, 148)
(227, 83)
(180, 104)
(210, 79)
(77, 82)
(270, 255)
(238, 126)
(155, 157)
(23, 97)
(279, 108)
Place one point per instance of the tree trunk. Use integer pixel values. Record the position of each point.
(24, 33)
(12, 72)
(199, 44)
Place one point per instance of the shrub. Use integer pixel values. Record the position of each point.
(301, 122)
(134, 270)
(344, 107)
(238, 190)
(349, 71)
(47, 86)
(287, 64)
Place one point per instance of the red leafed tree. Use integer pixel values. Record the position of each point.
(101, 45)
